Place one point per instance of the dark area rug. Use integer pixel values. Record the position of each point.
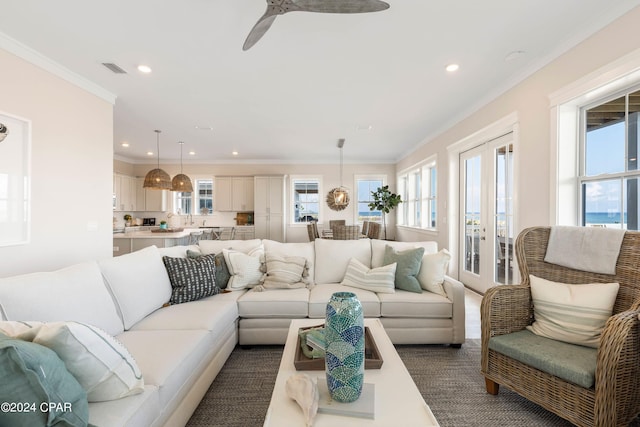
(449, 380)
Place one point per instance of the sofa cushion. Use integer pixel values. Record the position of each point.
(573, 363)
(306, 250)
(245, 269)
(191, 279)
(77, 293)
(332, 258)
(377, 249)
(320, 295)
(379, 280)
(216, 246)
(101, 364)
(407, 269)
(433, 269)
(184, 353)
(138, 410)
(571, 313)
(34, 375)
(410, 304)
(138, 282)
(290, 303)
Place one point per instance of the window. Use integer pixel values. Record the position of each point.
(418, 187)
(306, 199)
(609, 192)
(365, 186)
(201, 198)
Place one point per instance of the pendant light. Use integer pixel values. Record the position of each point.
(157, 179)
(338, 198)
(181, 182)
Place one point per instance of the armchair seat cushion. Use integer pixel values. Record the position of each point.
(572, 363)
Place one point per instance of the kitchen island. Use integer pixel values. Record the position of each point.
(124, 243)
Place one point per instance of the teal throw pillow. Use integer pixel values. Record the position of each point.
(36, 383)
(222, 272)
(407, 269)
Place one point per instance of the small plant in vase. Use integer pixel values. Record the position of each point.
(384, 200)
(163, 225)
(127, 219)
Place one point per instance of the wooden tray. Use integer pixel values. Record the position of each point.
(372, 357)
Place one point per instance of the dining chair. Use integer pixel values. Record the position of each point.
(373, 231)
(346, 232)
(365, 227)
(334, 222)
(312, 231)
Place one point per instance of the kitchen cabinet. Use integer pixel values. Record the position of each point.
(233, 193)
(124, 189)
(150, 200)
(269, 208)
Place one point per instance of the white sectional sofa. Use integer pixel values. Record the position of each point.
(181, 348)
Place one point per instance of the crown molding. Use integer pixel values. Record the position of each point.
(36, 58)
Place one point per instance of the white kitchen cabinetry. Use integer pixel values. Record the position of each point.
(268, 214)
(124, 188)
(150, 200)
(233, 193)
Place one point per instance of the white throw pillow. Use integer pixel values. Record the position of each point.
(245, 269)
(571, 313)
(379, 280)
(25, 331)
(100, 363)
(284, 272)
(432, 271)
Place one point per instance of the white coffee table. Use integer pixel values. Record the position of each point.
(397, 399)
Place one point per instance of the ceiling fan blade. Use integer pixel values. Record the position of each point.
(341, 6)
(258, 30)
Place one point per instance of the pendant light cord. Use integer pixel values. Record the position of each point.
(158, 145)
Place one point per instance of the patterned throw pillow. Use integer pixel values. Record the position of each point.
(245, 269)
(379, 280)
(408, 267)
(191, 279)
(574, 314)
(222, 272)
(284, 272)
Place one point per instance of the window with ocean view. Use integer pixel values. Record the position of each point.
(609, 176)
(366, 185)
(418, 187)
(306, 199)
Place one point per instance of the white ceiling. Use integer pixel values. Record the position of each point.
(312, 79)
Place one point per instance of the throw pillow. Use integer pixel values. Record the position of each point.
(379, 280)
(25, 331)
(100, 363)
(191, 279)
(284, 272)
(245, 269)
(432, 271)
(32, 374)
(407, 269)
(222, 272)
(571, 313)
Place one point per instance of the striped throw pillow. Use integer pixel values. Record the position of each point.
(379, 280)
(574, 314)
(284, 272)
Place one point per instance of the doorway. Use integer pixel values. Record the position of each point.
(486, 234)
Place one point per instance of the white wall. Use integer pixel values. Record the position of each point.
(530, 101)
(71, 168)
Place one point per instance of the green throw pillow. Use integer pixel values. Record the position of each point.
(222, 272)
(407, 269)
(36, 382)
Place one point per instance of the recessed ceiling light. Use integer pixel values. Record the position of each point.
(192, 153)
(235, 153)
(149, 153)
(364, 128)
(125, 144)
(200, 127)
(144, 69)
(512, 56)
(452, 67)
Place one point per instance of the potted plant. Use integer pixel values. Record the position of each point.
(127, 219)
(163, 225)
(384, 200)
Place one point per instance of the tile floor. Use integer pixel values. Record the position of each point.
(472, 313)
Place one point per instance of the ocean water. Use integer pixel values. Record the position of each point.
(604, 218)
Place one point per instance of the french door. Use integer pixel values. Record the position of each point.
(486, 215)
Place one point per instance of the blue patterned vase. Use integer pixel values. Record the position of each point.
(344, 337)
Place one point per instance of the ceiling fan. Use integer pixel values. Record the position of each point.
(280, 7)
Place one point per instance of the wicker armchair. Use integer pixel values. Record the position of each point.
(373, 231)
(614, 400)
(346, 232)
